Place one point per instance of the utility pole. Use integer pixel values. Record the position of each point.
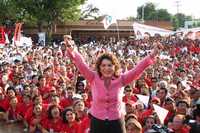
(143, 13)
(177, 6)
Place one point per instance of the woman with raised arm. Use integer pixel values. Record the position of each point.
(107, 109)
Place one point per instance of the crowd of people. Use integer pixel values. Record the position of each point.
(41, 87)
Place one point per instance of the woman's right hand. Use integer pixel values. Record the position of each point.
(69, 43)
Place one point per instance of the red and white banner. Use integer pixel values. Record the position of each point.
(142, 30)
(193, 33)
(2, 36)
(17, 33)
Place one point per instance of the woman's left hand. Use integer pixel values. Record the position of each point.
(156, 50)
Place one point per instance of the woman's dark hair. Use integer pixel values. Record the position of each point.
(50, 109)
(150, 117)
(40, 77)
(11, 88)
(111, 57)
(64, 114)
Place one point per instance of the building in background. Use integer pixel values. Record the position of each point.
(88, 30)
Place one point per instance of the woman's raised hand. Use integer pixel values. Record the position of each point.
(156, 50)
(69, 43)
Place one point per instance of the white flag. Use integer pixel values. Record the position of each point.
(144, 99)
(108, 20)
(161, 112)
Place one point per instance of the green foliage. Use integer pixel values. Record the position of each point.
(180, 20)
(151, 13)
(175, 22)
(40, 12)
(163, 15)
(47, 12)
(8, 11)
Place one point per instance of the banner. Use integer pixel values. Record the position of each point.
(193, 33)
(161, 112)
(41, 40)
(108, 20)
(2, 36)
(142, 30)
(144, 99)
(17, 33)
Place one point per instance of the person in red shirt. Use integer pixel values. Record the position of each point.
(53, 123)
(68, 100)
(161, 93)
(26, 103)
(84, 126)
(70, 124)
(36, 119)
(149, 111)
(86, 100)
(43, 88)
(149, 122)
(36, 100)
(79, 108)
(12, 114)
(23, 106)
(178, 124)
(10, 93)
(169, 104)
(2, 103)
(129, 96)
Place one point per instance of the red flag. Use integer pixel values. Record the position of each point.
(2, 35)
(17, 31)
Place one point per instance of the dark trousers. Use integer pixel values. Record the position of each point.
(107, 126)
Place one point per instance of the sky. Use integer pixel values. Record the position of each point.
(125, 8)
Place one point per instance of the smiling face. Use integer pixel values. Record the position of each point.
(55, 112)
(70, 116)
(149, 123)
(79, 106)
(107, 66)
(107, 69)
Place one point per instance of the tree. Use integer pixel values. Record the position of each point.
(90, 12)
(180, 20)
(198, 24)
(163, 14)
(175, 22)
(8, 12)
(49, 12)
(149, 11)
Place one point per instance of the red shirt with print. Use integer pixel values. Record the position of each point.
(23, 108)
(132, 98)
(3, 104)
(84, 126)
(66, 102)
(43, 90)
(71, 129)
(49, 124)
(13, 112)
